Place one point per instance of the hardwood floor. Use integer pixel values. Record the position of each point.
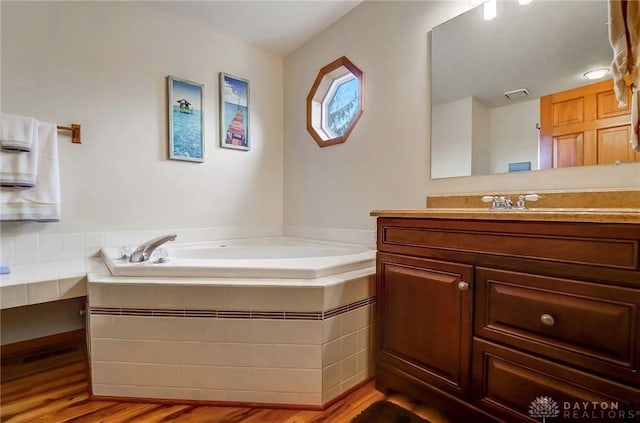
(60, 393)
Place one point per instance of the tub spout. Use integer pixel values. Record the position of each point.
(144, 250)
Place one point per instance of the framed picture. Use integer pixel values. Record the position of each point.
(186, 120)
(234, 112)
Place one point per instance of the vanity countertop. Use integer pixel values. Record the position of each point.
(602, 215)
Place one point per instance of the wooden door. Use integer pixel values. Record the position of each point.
(584, 126)
(424, 320)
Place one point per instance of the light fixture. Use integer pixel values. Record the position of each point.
(596, 73)
(489, 11)
(523, 2)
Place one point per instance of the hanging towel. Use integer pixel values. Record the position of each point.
(20, 169)
(42, 202)
(17, 132)
(624, 37)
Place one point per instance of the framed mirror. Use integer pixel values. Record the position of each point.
(488, 78)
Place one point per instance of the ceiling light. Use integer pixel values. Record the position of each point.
(596, 73)
(489, 10)
(523, 2)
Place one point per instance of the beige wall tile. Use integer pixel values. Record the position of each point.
(42, 292)
(311, 381)
(331, 352)
(348, 367)
(265, 355)
(135, 327)
(169, 375)
(349, 345)
(239, 355)
(101, 326)
(193, 376)
(331, 376)
(168, 352)
(331, 328)
(72, 287)
(299, 356)
(239, 378)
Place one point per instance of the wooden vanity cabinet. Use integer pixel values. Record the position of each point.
(486, 316)
(425, 307)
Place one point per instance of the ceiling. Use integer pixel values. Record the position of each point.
(279, 27)
(544, 46)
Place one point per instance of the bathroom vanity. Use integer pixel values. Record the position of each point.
(484, 312)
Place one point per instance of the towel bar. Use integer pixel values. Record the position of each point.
(75, 132)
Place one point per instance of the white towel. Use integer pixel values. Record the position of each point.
(42, 202)
(17, 132)
(20, 169)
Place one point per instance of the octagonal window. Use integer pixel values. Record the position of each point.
(335, 102)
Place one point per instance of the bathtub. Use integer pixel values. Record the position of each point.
(253, 321)
(274, 258)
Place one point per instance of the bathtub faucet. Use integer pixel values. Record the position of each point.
(144, 250)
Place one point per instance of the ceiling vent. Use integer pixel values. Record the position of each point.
(517, 94)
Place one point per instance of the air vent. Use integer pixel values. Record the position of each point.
(517, 94)
(49, 353)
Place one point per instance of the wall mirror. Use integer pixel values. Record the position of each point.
(526, 51)
(335, 102)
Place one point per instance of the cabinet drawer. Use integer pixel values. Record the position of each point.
(507, 383)
(553, 243)
(593, 326)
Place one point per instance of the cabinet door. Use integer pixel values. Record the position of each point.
(424, 320)
(584, 126)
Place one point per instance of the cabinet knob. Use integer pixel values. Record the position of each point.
(547, 320)
(463, 286)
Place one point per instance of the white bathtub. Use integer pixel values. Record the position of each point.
(280, 258)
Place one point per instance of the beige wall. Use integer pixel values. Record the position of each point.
(103, 65)
(385, 162)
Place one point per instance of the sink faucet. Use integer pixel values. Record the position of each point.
(503, 202)
(143, 251)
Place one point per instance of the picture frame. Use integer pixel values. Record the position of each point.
(234, 112)
(186, 119)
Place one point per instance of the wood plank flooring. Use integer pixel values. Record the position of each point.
(61, 394)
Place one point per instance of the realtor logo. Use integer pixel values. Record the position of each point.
(543, 407)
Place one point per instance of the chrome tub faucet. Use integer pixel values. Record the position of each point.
(143, 251)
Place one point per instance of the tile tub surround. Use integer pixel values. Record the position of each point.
(301, 342)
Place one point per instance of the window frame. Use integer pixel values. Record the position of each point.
(323, 86)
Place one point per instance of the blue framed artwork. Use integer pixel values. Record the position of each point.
(234, 112)
(186, 120)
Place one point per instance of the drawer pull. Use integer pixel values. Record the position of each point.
(547, 320)
(463, 286)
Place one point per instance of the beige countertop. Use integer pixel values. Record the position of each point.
(602, 215)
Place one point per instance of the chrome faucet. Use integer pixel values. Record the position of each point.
(143, 251)
(504, 202)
